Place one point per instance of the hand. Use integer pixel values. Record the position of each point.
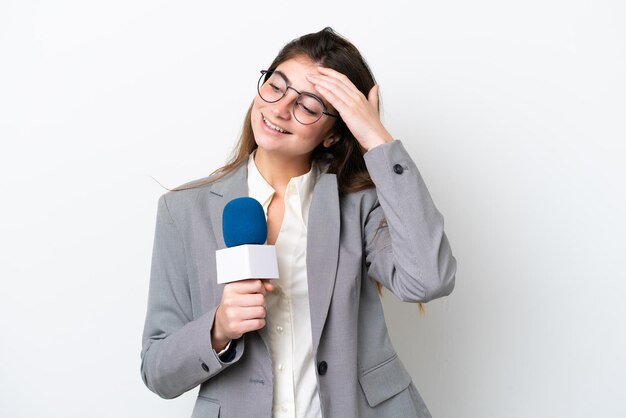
(358, 112)
(241, 310)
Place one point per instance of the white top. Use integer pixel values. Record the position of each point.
(288, 315)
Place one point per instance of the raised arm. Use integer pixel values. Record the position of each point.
(410, 255)
(406, 248)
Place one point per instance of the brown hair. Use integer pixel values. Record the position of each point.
(345, 157)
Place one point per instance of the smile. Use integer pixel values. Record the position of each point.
(274, 127)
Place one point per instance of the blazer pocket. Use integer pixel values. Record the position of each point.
(206, 408)
(381, 382)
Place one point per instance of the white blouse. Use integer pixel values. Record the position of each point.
(288, 315)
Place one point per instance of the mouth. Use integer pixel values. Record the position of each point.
(274, 127)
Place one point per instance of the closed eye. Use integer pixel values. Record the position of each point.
(275, 88)
(306, 109)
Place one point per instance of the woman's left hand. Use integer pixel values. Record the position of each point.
(360, 113)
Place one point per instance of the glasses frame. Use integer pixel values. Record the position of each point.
(265, 74)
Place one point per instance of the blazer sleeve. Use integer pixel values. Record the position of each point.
(406, 248)
(176, 353)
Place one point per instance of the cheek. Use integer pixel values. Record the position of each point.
(256, 103)
(314, 139)
(258, 107)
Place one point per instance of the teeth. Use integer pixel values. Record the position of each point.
(274, 127)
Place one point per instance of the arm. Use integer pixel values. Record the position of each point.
(177, 354)
(410, 255)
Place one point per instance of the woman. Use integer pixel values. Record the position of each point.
(348, 212)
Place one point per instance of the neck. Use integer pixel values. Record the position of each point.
(277, 170)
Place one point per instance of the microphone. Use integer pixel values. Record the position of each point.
(245, 232)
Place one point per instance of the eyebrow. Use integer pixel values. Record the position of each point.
(283, 75)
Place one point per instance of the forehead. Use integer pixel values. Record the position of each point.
(296, 69)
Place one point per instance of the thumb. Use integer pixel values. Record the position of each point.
(269, 286)
(372, 97)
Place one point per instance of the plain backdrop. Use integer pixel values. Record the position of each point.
(513, 111)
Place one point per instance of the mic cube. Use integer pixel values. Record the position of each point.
(248, 261)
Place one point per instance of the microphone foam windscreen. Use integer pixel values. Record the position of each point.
(243, 222)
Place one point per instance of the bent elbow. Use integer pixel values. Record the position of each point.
(432, 283)
(445, 280)
(158, 387)
(156, 382)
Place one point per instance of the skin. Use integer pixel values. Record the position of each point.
(281, 156)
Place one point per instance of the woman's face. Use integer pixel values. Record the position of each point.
(293, 139)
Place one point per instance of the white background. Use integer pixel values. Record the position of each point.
(513, 111)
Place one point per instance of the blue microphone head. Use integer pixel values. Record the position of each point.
(243, 222)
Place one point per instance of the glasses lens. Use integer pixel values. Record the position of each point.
(273, 89)
(308, 109)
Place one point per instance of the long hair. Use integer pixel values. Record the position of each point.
(345, 157)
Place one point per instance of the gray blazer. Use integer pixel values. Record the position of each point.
(349, 245)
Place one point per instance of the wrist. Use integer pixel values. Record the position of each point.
(380, 140)
(219, 343)
(218, 339)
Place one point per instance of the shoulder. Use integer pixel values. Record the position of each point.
(186, 194)
(189, 195)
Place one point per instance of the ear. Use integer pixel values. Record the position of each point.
(332, 139)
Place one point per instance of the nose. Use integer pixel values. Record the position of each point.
(283, 107)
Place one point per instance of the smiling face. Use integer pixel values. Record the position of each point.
(275, 128)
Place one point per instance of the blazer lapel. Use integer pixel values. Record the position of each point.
(223, 191)
(322, 251)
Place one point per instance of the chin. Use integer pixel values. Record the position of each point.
(263, 139)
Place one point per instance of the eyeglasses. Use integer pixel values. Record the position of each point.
(307, 108)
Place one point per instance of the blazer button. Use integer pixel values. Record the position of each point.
(205, 367)
(398, 169)
(322, 367)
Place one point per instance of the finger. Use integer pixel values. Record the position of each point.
(246, 300)
(346, 92)
(333, 73)
(252, 325)
(237, 315)
(255, 312)
(372, 97)
(335, 77)
(333, 98)
(329, 72)
(269, 286)
(340, 80)
(248, 286)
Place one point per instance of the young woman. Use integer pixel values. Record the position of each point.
(348, 212)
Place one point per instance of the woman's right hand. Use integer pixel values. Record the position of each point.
(241, 310)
